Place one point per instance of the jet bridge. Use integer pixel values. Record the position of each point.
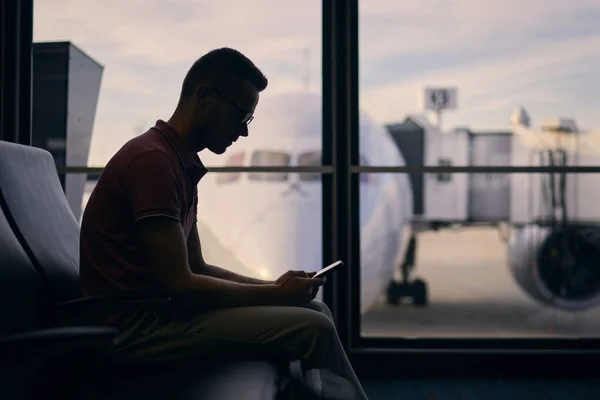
(554, 236)
(446, 198)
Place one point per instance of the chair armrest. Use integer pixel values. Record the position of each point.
(56, 341)
(51, 363)
(95, 308)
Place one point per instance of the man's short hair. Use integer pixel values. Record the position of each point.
(220, 66)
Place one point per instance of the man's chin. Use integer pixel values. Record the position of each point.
(218, 150)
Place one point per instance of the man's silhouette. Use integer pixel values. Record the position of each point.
(138, 232)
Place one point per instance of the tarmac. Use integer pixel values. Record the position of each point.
(472, 294)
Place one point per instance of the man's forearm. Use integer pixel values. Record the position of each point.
(217, 272)
(207, 292)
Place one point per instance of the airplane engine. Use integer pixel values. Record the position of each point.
(557, 266)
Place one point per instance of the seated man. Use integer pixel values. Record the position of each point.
(138, 232)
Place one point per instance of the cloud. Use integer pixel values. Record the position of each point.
(147, 46)
(499, 54)
(180, 31)
(425, 27)
(488, 87)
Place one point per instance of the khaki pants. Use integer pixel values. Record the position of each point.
(306, 334)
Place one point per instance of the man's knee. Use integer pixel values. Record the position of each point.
(319, 306)
(316, 329)
(310, 321)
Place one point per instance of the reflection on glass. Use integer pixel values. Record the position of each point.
(257, 230)
(444, 85)
(144, 67)
(481, 255)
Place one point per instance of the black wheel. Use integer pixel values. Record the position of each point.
(419, 293)
(392, 295)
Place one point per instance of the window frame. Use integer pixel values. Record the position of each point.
(418, 357)
(341, 171)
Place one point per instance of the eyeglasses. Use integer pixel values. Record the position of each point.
(247, 118)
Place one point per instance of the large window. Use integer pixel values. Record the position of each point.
(254, 221)
(529, 60)
(146, 49)
(433, 173)
(502, 252)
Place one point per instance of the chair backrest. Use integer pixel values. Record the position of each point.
(23, 298)
(41, 216)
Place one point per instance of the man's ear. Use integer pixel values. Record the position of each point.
(205, 96)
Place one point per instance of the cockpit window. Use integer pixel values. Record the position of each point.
(313, 159)
(366, 177)
(310, 159)
(236, 160)
(269, 158)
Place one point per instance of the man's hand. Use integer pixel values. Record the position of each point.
(288, 274)
(302, 274)
(298, 287)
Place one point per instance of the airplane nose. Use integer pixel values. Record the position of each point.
(285, 237)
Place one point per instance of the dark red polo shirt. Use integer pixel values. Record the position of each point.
(152, 174)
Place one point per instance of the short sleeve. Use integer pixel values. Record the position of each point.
(152, 186)
(195, 207)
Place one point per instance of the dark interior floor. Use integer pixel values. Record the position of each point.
(484, 389)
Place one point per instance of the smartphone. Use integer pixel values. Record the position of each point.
(329, 268)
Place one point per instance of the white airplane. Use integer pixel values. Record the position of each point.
(271, 222)
(264, 224)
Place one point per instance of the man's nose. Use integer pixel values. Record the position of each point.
(244, 130)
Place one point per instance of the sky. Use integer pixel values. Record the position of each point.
(542, 55)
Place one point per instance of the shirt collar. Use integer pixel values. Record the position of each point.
(189, 160)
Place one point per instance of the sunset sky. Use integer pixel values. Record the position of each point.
(542, 55)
